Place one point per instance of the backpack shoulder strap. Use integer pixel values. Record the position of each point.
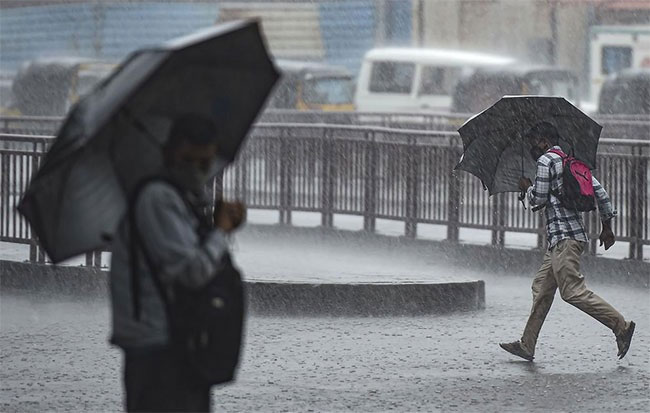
(137, 245)
(560, 153)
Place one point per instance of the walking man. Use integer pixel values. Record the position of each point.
(566, 242)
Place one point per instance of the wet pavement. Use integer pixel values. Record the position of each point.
(55, 356)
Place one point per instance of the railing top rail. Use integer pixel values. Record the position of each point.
(334, 127)
(17, 137)
(615, 141)
(362, 128)
(603, 117)
(32, 118)
(365, 113)
(641, 117)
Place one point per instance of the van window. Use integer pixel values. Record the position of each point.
(615, 59)
(392, 77)
(438, 80)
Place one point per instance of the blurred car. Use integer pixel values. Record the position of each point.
(481, 88)
(626, 93)
(312, 86)
(49, 87)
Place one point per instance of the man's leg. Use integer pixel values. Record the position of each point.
(566, 268)
(149, 386)
(544, 287)
(195, 393)
(158, 380)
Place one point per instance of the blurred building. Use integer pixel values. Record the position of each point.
(536, 31)
(333, 31)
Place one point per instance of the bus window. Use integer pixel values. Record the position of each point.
(328, 90)
(392, 77)
(615, 59)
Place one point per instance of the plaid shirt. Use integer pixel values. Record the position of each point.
(562, 223)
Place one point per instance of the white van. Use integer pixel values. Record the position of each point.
(413, 79)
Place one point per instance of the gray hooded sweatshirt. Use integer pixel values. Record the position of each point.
(168, 230)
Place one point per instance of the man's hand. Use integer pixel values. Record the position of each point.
(228, 216)
(524, 183)
(607, 236)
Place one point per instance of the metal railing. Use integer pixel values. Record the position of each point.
(614, 126)
(371, 172)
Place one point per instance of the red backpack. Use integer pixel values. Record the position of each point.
(577, 190)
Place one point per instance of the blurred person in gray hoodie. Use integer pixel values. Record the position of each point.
(168, 215)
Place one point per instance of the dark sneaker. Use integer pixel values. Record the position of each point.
(516, 349)
(623, 341)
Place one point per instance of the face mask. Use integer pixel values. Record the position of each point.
(193, 177)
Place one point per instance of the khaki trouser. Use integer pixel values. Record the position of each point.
(561, 269)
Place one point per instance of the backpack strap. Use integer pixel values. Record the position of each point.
(558, 152)
(137, 245)
(553, 192)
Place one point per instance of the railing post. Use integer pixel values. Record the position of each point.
(33, 250)
(327, 180)
(35, 253)
(412, 167)
(498, 219)
(642, 202)
(217, 186)
(242, 182)
(453, 205)
(286, 178)
(98, 259)
(637, 191)
(370, 187)
(283, 184)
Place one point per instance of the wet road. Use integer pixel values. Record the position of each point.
(55, 357)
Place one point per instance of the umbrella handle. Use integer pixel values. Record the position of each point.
(521, 197)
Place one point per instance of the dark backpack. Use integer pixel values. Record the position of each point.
(206, 324)
(577, 191)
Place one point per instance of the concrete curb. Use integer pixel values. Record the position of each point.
(295, 299)
(367, 299)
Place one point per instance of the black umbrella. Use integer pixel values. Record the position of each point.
(494, 147)
(112, 138)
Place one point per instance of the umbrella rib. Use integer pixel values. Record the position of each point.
(140, 126)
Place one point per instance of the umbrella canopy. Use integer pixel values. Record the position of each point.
(494, 145)
(112, 138)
